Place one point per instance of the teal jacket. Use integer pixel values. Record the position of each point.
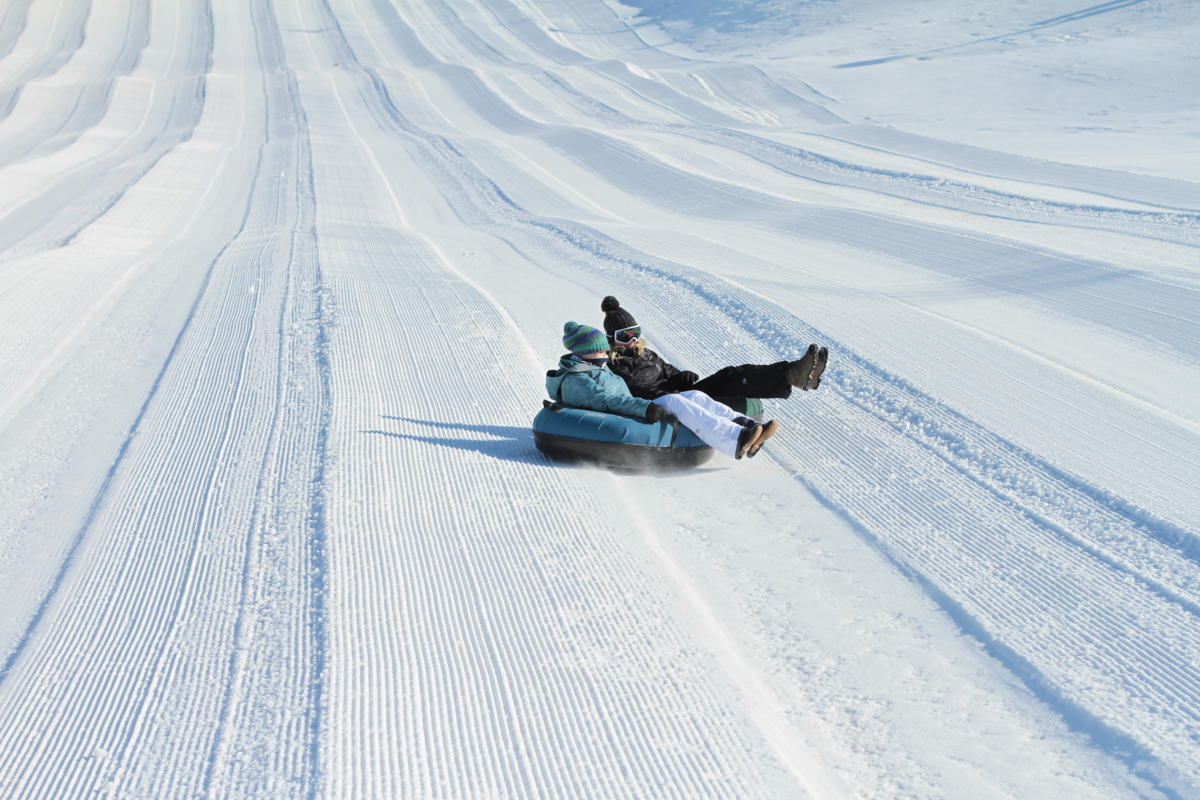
(581, 384)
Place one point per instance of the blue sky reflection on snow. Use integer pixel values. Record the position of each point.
(724, 16)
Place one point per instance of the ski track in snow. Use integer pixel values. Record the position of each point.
(259, 541)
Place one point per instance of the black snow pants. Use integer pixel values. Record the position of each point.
(748, 380)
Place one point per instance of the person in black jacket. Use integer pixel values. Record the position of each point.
(584, 379)
(649, 376)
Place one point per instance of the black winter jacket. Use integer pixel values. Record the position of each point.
(646, 375)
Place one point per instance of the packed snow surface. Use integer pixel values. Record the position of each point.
(279, 284)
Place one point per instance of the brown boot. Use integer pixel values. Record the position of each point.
(814, 378)
(747, 438)
(798, 372)
(768, 430)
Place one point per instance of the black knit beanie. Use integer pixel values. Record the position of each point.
(615, 317)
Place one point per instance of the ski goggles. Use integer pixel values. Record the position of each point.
(627, 335)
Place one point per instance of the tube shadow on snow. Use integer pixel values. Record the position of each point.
(509, 443)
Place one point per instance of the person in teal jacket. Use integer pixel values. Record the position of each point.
(584, 380)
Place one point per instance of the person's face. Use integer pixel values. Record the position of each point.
(625, 339)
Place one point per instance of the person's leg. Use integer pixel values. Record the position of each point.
(814, 378)
(806, 373)
(715, 407)
(716, 431)
(769, 429)
(748, 380)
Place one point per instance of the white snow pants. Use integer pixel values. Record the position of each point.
(705, 417)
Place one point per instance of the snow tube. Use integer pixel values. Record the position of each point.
(749, 406)
(577, 434)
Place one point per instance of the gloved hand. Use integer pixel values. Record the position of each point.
(656, 413)
(684, 380)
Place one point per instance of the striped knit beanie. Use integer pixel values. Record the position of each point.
(582, 339)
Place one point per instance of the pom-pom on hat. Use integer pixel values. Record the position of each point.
(615, 317)
(581, 339)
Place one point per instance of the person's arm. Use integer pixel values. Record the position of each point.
(682, 380)
(671, 378)
(619, 401)
(587, 390)
(667, 372)
(553, 381)
(646, 375)
(635, 372)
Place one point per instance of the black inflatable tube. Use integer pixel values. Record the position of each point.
(633, 457)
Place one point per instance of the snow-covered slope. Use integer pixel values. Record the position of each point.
(280, 284)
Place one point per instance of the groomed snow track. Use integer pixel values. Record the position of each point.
(280, 280)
